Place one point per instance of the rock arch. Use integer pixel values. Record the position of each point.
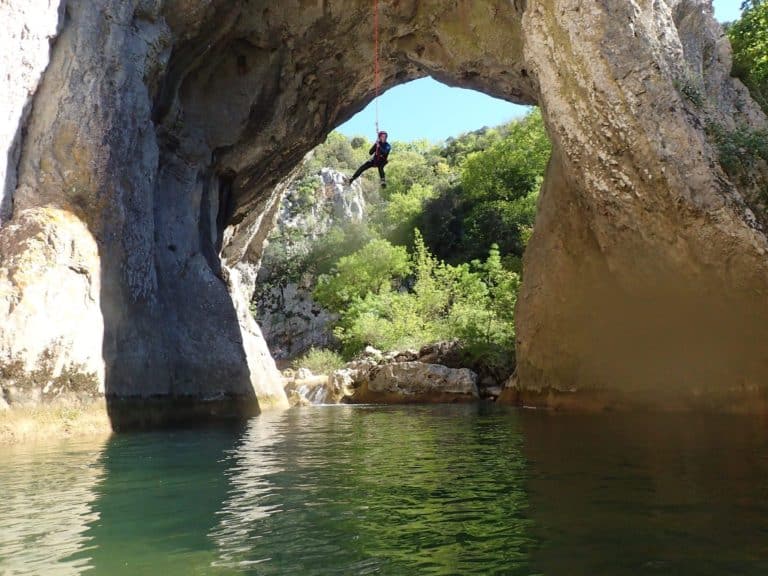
(159, 134)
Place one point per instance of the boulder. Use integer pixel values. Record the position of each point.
(343, 383)
(372, 353)
(491, 392)
(304, 374)
(417, 383)
(402, 356)
(313, 388)
(447, 353)
(296, 399)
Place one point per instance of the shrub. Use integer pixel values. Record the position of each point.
(691, 88)
(376, 267)
(749, 39)
(319, 361)
(340, 241)
(740, 149)
(398, 217)
(474, 302)
(511, 168)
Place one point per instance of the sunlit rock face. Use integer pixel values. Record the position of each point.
(646, 278)
(290, 319)
(168, 129)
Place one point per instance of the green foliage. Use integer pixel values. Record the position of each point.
(358, 142)
(456, 150)
(398, 217)
(692, 88)
(339, 241)
(507, 222)
(388, 321)
(495, 200)
(443, 224)
(319, 361)
(475, 198)
(488, 331)
(336, 152)
(739, 149)
(474, 302)
(749, 39)
(407, 167)
(511, 168)
(306, 191)
(375, 268)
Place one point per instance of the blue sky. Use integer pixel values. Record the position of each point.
(427, 109)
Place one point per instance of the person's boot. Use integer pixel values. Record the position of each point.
(383, 183)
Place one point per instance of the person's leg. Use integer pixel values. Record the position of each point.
(382, 176)
(360, 170)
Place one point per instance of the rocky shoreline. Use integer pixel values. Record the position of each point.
(47, 422)
(430, 375)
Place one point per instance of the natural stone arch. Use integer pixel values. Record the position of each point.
(161, 132)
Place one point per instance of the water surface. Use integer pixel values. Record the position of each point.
(396, 490)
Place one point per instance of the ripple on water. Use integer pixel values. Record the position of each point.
(46, 496)
(438, 490)
(361, 490)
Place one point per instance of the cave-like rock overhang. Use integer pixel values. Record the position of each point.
(161, 132)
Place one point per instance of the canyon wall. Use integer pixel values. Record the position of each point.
(148, 167)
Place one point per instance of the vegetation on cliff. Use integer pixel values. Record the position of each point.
(439, 255)
(749, 39)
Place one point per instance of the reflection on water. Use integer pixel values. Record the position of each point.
(408, 490)
(356, 491)
(649, 494)
(158, 501)
(46, 496)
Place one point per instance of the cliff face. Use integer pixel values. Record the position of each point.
(150, 164)
(292, 322)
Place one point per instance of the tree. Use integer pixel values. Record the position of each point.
(375, 268)
(511, 168)
(398, 217)
(749, 39)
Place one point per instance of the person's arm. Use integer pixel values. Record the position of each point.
(373, 148)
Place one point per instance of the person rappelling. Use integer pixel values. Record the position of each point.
(379, 158)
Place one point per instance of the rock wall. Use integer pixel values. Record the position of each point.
(646, 276)
(292, 322)
(150, 167)
(27, 30)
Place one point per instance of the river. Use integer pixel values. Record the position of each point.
(437, 490)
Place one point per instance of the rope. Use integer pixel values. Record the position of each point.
(376, 78)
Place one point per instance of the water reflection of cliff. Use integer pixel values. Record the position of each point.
(46, 506)
(401, 491)
(158, 500)
(626, 494)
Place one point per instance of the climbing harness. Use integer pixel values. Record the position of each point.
(376, 76)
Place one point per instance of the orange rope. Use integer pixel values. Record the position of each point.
(376, 79)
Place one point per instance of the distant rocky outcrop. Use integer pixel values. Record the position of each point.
(417, 383)
(291, 321)
(407, 377)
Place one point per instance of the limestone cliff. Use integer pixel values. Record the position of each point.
(292, 322)
(149, 171)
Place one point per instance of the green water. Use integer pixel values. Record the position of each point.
(416, 490)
